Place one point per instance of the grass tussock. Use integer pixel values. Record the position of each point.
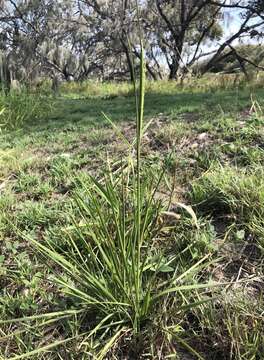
(126, 241)
(21, 107)
(234, 191)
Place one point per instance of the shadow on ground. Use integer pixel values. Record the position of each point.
(88, 112)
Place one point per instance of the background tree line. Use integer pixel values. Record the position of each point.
(81, 39)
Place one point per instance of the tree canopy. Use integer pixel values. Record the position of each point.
(79, 39)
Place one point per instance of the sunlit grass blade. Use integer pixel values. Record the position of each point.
(184, 344)
(52, 315)
(101, 355)
(43, 349)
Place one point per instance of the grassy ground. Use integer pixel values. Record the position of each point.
(211, 143)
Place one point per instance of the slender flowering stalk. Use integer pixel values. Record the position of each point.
(140, 118)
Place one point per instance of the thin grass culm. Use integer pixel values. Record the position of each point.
(109, 267)
(140, 118)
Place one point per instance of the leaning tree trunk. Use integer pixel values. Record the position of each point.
(129, 61)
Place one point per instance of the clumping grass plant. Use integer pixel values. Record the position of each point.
(233, 191)
(21, 107)
(111, 268)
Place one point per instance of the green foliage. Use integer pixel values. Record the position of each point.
(233, 191)
(22, 108)
(231, 326)
(208, 84)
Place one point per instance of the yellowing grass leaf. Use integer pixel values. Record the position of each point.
(109, 344)
(190, 212)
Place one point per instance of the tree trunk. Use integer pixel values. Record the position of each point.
(177, 56)
(174, 67)
(5, 75)
(151, 72)
(130, 68)
(129, 62)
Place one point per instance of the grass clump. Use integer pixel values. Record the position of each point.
(20, 108)
(235, 191)
(231, 328)
(109, 267)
